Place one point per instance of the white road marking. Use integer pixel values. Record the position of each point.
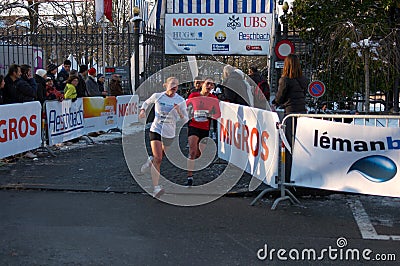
(367, 230)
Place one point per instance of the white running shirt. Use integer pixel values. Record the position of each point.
(165, 116)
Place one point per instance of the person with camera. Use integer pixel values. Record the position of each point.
(115, 85)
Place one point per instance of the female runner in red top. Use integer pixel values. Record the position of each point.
(202, 107)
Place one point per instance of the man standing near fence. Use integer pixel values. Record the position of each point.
(81, 87)
(52, 71)
(92, 87)
(63, 75)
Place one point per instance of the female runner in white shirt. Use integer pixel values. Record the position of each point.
(169, 107)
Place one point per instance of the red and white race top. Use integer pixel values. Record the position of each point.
(201, 109)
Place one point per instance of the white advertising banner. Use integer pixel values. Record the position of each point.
(218, 34)
(248, 138)
(346, 157)
(99, 113)
(127, 108)
(64, 120)
(20, 128)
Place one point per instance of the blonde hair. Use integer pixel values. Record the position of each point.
(169, 79)
(292, 67)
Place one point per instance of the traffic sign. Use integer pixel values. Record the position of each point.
(316, 88)
(123, 71)
(284, 48)
(278, 64)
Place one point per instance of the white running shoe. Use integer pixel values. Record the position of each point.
(147, 165)
(158, 192)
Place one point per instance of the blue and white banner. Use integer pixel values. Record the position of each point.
(219, 6)
(248, 138)
(64, 120)
(346, 157)
(218, 34)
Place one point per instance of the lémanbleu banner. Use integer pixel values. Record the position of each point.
(347, 157)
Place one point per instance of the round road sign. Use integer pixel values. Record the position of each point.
(316, 88)
(284, 48)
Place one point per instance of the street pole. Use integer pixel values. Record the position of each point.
(103, 46)
(136, 34)
(285, 9)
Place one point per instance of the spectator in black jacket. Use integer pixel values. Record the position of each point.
(255, 75)
(63, 75)
(100, 82)
(235, 89)
(82, 75)
(40, 77)
(52, 71)
(19, 86)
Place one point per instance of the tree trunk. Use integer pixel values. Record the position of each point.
(367, 85)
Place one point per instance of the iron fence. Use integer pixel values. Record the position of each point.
(106, 45)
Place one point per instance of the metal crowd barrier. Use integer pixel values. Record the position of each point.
(286, 145)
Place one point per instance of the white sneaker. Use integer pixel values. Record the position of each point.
(30, 155)
(147, 165)
(158, 192)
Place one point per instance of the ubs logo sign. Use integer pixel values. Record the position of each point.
(233, 22)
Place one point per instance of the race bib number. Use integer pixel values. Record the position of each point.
(165, 118)
(200, 115)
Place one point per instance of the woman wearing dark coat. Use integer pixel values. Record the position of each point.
(292, 87)
(291, 96)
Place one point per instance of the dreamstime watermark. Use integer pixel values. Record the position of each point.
(339, 252)
(136, 149)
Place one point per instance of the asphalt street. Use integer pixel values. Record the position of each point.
(82, 207)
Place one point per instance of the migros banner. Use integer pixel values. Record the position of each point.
(216, 34)
(127, 108)
(248, 138)
(20, 128)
